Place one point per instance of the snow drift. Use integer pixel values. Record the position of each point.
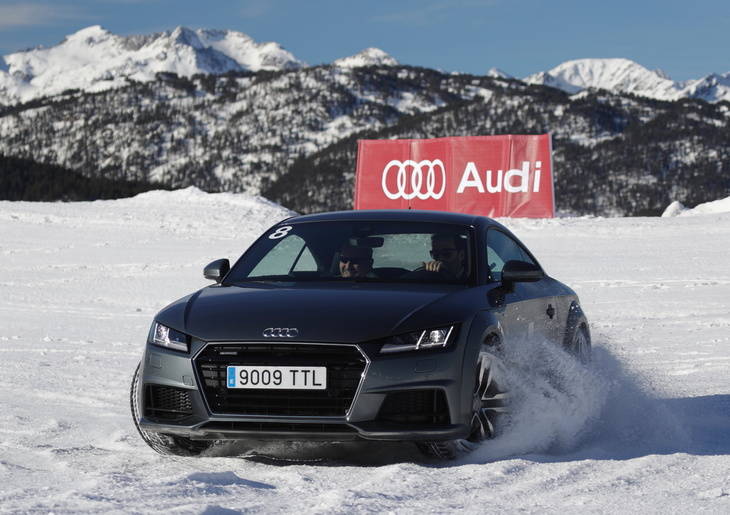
(676, 208)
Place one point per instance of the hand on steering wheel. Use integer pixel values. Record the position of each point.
(433, 266)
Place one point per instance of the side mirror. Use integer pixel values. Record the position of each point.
(519, 271)
(217, 270)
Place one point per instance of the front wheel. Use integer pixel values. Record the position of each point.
(168, 445)
(580, 344)
(489, 401)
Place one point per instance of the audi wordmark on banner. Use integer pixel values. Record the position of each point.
(485, 175)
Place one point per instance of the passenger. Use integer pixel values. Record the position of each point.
(356, 262)
(449, 256)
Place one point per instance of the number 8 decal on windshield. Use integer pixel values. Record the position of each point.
(280, 232)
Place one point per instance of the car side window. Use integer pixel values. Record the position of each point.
(500, 249)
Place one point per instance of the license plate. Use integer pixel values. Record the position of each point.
(277, 378)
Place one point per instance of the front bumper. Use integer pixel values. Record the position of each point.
(409, 396)
(274, 430)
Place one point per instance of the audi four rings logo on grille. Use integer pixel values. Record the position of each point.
(417, 187)
(281, 332)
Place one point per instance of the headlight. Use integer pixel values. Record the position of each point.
(437, 338)
(169, 338)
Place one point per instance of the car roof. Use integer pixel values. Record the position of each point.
(396, 215)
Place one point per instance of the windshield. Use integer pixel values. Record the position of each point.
(361, 251)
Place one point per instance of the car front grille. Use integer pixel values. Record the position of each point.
(166, 403)
(345, 366)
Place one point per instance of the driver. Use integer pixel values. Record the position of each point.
(356, 261)
(448, 253)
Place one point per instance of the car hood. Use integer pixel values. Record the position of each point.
(348, 313)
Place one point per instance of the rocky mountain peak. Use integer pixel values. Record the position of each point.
(368, 57)
(496, 73)
(186, 36)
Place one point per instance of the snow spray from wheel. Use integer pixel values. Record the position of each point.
(561, 406)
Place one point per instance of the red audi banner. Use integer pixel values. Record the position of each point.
(495, 176)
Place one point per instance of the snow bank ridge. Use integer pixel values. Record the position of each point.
(193, 195)
(676, 208)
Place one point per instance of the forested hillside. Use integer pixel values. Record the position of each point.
(291, 135)
(24, 179)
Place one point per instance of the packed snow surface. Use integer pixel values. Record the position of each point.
(644, 429)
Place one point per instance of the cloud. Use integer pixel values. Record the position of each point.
(255, 8)
(127, 1)
(30, 14)
(430, 13)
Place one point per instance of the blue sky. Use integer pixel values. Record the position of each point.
(685, 39)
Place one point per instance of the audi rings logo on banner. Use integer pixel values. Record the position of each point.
(281, 332)
(418, 186)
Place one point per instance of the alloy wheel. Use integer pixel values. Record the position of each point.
(581, 346)
(489, 400)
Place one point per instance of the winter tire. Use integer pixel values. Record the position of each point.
(489, 401)
(167, 445)
(580, 344)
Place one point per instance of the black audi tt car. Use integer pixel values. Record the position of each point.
(376, 325)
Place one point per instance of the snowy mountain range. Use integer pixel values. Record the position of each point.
(625, 76)
(93, 59)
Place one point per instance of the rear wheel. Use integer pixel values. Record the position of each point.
(489, 401)
(168, 445)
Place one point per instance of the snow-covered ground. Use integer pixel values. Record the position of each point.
(645, 429)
